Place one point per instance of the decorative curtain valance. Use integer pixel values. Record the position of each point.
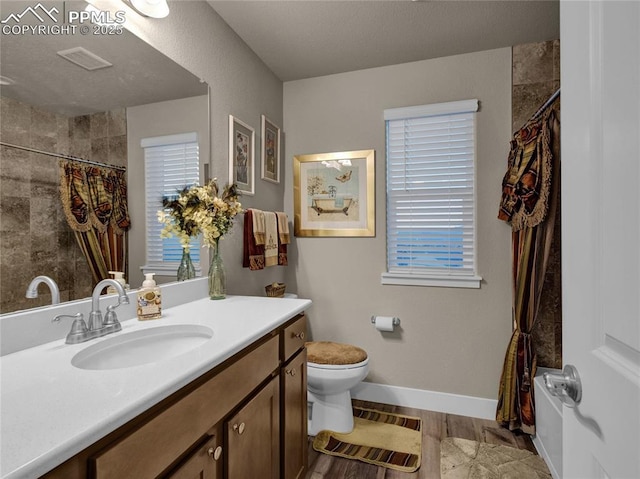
(94, 197)
(94, 200)
(527, 182)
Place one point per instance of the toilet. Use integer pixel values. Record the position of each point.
(333, 369)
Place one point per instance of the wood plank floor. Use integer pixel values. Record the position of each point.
(436, 426)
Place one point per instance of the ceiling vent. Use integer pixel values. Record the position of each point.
(84, 58)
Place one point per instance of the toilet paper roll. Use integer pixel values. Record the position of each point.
(384, 323)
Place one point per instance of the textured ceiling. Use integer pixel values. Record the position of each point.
(140, 74)
(307, 38)
(296, 39)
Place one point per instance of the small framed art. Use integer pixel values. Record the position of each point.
(270, 151)
(241, 158)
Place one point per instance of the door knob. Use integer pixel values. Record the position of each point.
(566, 386)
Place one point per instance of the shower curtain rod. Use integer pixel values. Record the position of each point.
(64, 157)
(546, 104)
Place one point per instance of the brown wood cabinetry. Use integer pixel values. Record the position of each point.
(294, 417)
(245, 418)
(204, 463)
(253, 436)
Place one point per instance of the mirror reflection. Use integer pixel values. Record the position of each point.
(52, 108)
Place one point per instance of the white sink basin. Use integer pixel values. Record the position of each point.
(142, 347)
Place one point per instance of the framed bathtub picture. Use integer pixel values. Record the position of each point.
(241, 160)
(334, 194)
(270, 151)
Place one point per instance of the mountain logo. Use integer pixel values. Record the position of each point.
(39, 11)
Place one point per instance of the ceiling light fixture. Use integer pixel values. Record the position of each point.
(150, 8)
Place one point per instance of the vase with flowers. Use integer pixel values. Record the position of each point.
(208, 211)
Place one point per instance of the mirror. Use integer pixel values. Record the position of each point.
(53, 105)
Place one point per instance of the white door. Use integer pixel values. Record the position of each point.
(600, 78)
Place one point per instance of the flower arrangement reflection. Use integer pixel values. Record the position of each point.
(207, 211)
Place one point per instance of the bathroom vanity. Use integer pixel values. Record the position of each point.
(232, 407)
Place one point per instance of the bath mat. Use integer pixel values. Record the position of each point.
(384, 439)
(463, 459)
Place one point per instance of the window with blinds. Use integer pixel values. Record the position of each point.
(431, 230)
(171, 163)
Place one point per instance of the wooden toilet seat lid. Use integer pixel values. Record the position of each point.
(328, 352)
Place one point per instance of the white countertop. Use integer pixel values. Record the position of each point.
(51, 410)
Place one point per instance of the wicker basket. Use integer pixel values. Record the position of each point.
(275, 290)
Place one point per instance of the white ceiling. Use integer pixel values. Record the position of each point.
(140, 74)
(308, 38)
(295, 38)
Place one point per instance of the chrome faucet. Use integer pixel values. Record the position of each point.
(32, 289)
(80, 332)
(95, 317)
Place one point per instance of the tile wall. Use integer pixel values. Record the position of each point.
(536, 76)
(34, 236)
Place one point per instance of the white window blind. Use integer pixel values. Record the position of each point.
(431, 231)
(171, 163)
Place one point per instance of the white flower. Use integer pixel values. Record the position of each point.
(199, 210)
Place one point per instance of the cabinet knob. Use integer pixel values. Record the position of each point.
(290, 372)
(239, 428)
(299, 335)
(215, 453)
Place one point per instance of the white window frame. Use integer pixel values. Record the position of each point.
(421, 275)
(153, 226)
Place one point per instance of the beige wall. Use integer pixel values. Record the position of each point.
(194, 36)
(146, 121)
(451, 340)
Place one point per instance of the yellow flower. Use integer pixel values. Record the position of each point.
(197, 210)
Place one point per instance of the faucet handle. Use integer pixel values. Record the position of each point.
(77, 316)
(79, 328)
(111, 319)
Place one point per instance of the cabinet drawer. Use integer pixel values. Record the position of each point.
(157, 443)
(294, 337)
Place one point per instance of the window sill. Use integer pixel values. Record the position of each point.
(166, 269)
(443, 281)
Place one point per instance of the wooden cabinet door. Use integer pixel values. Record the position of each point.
(294, 417)
(253, 436)
(293, 337)
(204, 463)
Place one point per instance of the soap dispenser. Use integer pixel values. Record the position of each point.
(119, 277)
(149, 299)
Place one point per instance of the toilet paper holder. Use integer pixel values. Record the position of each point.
(396, 321)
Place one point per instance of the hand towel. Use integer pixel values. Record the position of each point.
(271, 239)
(284, 237)
(283, 227)
(252, 254)
(258, 226)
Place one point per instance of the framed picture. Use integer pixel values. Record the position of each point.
(241, 161)
(334, 194)
(270, 151)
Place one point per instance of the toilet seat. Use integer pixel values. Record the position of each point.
(338, 366)
(336, 354)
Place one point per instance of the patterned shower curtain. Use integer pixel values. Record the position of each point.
(94, 201)
(529, 202)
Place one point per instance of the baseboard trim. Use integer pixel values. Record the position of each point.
(428, 400)
(542, 452)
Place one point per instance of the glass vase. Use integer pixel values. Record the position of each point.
(217, 281)
(186, 269)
